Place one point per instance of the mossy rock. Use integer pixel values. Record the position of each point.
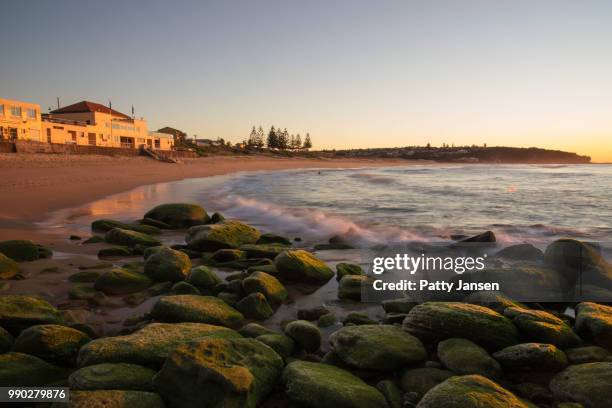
(84, 276)
(327, 320)
(113, 399)
(391, 392)
(24, 370)
(248, 263)
(532, 357)
(254, 330)
(6, 341)
(470, 391)
(112, 376)
(401, 305)
(302, 266)
(226, 234)
(493, 300)
(83, 292)
(305, 334)
(114, 252)
(219, 373)
(21, 250)
(255, 306)
(270, 238)
(94, 239)
(203, 278)
(521, 252)
(315, 385)
(8, 268)
(228, 255)
(465, 357)
(594, 322)
(572, 257)
(120, 281)
(18, 312)
(184, 288)
(435, 321)
(589, 384)
(166, 264)
(273, 290)
(358, 319)
(216, 217)
(123, 237)
(421, 380)
(587, 354)
(105, 225)
(283, 345)
(351, 287)
(344, 268)
(179, 215)
(155, 223)
(269, 251)
(51, 342)
(542, 327)
(377, 347)
(196, 309)
(148, 346)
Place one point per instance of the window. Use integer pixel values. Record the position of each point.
(91, 139)
(16, 111)
(31, 113)
(13, 133)
(48, 135)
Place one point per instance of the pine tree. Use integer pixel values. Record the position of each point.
(282, 139)
(307, 141)
(292, 142)
(252, 138)
(260, 138)
(272, 139)
(298, 142)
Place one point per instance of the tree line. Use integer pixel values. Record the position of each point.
(277, 139)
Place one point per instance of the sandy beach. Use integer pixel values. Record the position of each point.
(34, 184)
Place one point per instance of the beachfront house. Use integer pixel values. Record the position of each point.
(83, 123)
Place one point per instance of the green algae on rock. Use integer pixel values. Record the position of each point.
(532, 357)
(345, 268)
(542, 327)
(203, 278)
(8, 268)
(51, 342)
(112, 376)
(282, 344)
(196, 309)
(255, 306)
(18, 312)
(302, 266)
(273, 290)
(166, 264)
(595, 322)
(305, 334)
(123, 237)
(589, 384)
(113, 399)
(178, 215)
(24, 370)
(120, 281)
(105, 225)
(466, 357)
(224, 235)
(22, 250)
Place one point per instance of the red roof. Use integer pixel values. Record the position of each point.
(86, 106)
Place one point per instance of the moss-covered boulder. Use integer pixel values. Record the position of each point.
(8, 268)
(105, 225)
(420, 380)
(377, 347)
(263, 250)
(315, 385)
(542, 327)
(532, 357)
(270, 238)
(203, 278)
(21, 250)
(391, 392)
(344, 268)
(400, 305)
(94, 239)
(226, 234)
(24, 370)
(254, 330)
(114, 252)
(589, 384)
(216, 217)
(148, 346)
(587, 354)
(255, 306)
(358, 319)
(594, 321)
(493, 300)
(120, 281)
(273, 290)
(302, 266)
(351, 287)
(179, 215)
(85, 276)
(521, 252)
(219, 373)
(51, 342)
(435, 321)
(184, 288)
(196, 309)
(113, 399)
(283, 345)
(166, 264)
(305, 334)
(18, 312)
(6, 340)
(123, 237)
(112, 376)
(228, 255)
(470, 391)
(466, 357)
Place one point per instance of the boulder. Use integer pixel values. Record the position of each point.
(305, 334)
(485, 237)
(228, 255)
(196, 309)
(8, 268)
(302, 266)
(315, 385)
(435, 321)
(587, 354)
(219, 373)
(255, 306)
(24, 370)
(148, 346)
(226, 234)
(254, 330)
(465, 357)
(312, 313)
(493, 300)
(113, 399)
(105, 225)
(391, 393)
(377, 347)
(400, 305)
(51, 342)
(589, 384)
(216, 217)
(532, 357)
(94, 239)
(542, 327)
(178, 215)
(594, 322)
(421, 380)
(166, 264)
(269, 238)
(21, 250)
(112, 376)
(344, 268)
(123, 237)
(283, 345)
(350, 287)
(6, 341)
(203, 278)
(358, 319)
(120, 281)
(18, 312)
(326, 320)
(273, 290)
(470, 391)
(263, 250)
(84, 277)
(184, 288)
(521, 252)
(114, 252)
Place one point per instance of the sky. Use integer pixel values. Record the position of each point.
(351, 73)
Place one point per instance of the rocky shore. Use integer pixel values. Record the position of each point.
(203, 332)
